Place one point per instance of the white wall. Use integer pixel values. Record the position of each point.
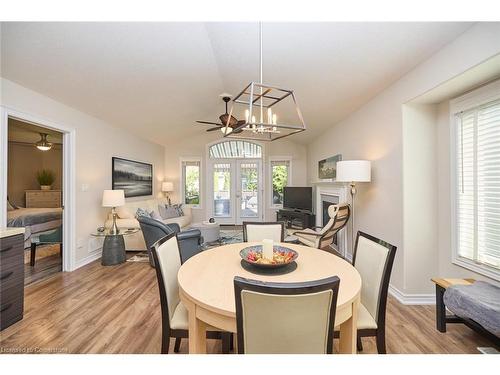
(375, 132)
(196, 146)
(420, 209)
(96, 143)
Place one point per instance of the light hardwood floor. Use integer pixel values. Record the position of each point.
(116, 309)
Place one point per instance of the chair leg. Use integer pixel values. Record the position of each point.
(359, 344)
(381, 341)
(231, 342)
(61, 250)
(165, 342)
(33, 254)
(177, 344)
(226, 342)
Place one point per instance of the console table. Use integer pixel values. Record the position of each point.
(296, 219)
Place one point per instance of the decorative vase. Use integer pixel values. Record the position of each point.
(45, 187)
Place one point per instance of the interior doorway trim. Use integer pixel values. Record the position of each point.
(69, 177)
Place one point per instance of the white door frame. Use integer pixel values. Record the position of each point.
(234, 175)
(69, 167)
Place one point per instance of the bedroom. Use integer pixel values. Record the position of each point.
(35, 165)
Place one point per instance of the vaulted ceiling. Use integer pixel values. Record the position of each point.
(156, 79)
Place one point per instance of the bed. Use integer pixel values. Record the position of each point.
(34, 220)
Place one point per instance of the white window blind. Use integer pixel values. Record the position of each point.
(478, 184)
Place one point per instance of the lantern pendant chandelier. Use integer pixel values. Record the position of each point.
(262, 118)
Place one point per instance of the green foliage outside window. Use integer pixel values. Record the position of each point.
(280, 180)
(192, 185)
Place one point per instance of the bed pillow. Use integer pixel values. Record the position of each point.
(167, 212)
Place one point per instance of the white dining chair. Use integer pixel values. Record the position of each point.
(373, 259)
(258, 231)
(174, 315)
(285, 318)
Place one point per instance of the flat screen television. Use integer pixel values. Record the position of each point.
(297, 198)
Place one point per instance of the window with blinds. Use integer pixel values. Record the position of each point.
(478, 184)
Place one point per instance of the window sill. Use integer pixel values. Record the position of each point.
(482, 269)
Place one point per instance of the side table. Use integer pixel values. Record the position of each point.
(113, 248)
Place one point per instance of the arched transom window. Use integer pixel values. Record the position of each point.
(235, 149)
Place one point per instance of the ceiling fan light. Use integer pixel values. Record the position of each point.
(227, 130)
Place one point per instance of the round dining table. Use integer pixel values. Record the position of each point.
(207, 291)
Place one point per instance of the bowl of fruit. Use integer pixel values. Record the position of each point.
(282, 256)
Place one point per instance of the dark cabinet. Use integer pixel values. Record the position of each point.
(296, 219)
(11, 279)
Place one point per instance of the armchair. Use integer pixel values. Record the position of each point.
(152, 230)
(339, 216)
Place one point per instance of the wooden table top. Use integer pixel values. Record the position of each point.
(207, 278)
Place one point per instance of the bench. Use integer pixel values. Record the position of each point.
(442, 318)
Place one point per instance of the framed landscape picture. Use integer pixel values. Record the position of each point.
(327, 168)
(134, 177)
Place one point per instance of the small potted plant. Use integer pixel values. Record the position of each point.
(45, 179)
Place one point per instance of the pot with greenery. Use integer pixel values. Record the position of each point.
(45, 179)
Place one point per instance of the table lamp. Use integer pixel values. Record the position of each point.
(353, 171)
(167, 187)
(113, 198)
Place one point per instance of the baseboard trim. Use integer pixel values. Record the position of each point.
(88, 259)
(412, 299)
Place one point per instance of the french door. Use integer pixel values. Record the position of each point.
(235, 190)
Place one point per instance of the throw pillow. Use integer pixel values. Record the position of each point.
(155, 215)
(143, 212)
(162, 210)
(178, 207)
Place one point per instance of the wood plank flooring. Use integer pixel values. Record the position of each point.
(116, 309)
(48, 262)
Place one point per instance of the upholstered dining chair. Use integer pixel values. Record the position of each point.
(373, 258)
(285, 318)
(320, 237)
(258, 231)
(174, 315)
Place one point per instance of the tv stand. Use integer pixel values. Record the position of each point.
(296, 219)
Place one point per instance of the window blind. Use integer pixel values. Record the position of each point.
(478, 184)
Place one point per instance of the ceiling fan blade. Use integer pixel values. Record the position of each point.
(239, 126)
(212, 129)
(208, 123)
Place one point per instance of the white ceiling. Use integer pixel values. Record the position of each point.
(156, 79)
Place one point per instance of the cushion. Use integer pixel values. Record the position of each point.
(178, 207)
(155, 215)
(180, 319)
(143, 212)
(168, 212)
(479, 301)
(365, 320)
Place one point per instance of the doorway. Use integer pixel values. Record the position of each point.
(34, 195)
(67, 180)
(235, 182)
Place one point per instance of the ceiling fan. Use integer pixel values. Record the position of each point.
(234, 123)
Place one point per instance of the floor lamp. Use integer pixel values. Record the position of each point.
(353, 171)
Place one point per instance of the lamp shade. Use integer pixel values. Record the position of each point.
(167, 186)
(354, 171)
(113, 198)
